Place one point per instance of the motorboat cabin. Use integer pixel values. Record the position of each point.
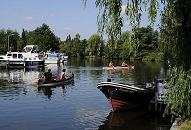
(15, 59)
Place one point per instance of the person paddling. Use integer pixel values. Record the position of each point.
(63, 74)
(48, 75)
(124, 64)
(111, 64)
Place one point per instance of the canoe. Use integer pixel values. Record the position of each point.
(118, 68)
(56, 81)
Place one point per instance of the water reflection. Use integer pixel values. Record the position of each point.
(77, 106)
(11, 83)
(18, 76)
(145, 72)
(133, 120)
(47, 91)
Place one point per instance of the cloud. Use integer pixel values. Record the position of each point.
(29, 18)
(66, 28)
(52, 15)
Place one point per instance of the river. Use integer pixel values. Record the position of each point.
(79, 106)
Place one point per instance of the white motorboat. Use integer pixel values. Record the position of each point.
(29, 57)
(15, 60)
(52, 58)
(3, 61)
(32, 57)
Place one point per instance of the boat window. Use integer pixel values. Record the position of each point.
(8, 54)
(1, 58)
(14, 56)
(20, 56)
(35, 49)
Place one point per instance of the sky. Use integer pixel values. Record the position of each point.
(64, 17)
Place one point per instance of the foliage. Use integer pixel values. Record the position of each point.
(3, 41)
(110, 19)
(109, 51)
(13, 40)
(94, 45)
(179, 93)
(134, 45)
(124, 47)
(23, 39)
(176, 31)
(145, 40)
(175, 40)
(44, 38)
(74, 47)
(153, 56)
(66, 46)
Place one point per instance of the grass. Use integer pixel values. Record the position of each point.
(186, 125)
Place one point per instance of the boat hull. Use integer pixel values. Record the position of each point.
(52, 61)
(16, 64)
(34, 63)
(122, 96)
(3, 63)
(53, 83)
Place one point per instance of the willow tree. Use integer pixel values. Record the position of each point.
(175, 32)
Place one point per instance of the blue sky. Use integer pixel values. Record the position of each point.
(64, 17)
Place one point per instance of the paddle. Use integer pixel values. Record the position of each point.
(35, 80)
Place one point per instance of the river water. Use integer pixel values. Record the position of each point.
(79, 106)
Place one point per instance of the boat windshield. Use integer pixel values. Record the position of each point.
(8, 54)
(30, 48)
(27, 49)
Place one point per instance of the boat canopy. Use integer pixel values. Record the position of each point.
(53, 55)
(30, 48)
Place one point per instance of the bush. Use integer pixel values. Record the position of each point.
(153, 56)
(179, 93)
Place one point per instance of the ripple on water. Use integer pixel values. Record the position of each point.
(72, 107)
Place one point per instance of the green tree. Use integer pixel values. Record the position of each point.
(74, 47)
(109, 51)
(3, 41)
(95, 45)
(146, 40)
(124, 45)
(82, 50)
(12, 36)
(44, 38)
(24, 40)
(66, 46)
(176, 24)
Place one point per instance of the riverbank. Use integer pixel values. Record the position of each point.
(181, 125)
(186, 125)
